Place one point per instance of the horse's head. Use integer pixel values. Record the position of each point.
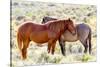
(70, 26)
(47, 18)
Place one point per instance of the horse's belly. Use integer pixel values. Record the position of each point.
(67, 36)
(39, 37)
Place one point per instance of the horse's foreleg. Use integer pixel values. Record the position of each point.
(53, 47)
(85, 44)
(24, 49)
(49, 46)
(62, 46)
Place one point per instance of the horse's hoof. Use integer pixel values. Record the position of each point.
(48, 51)
(23, 58)
(52, 53)
(85, 51)
(90, 51)
(64, 54)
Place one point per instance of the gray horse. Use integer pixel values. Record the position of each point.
(83, 34)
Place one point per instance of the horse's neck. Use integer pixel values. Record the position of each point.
(55, 26)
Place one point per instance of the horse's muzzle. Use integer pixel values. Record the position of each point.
(74, 32)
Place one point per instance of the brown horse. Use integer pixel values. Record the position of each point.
(41, 33)
(83, 34)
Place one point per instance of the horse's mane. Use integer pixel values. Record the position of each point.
(57, 25)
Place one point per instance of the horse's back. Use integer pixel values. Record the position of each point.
(82, 26)
(30, 26)
(26, 29)
(25, 26)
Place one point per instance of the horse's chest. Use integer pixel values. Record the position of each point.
(68, 36)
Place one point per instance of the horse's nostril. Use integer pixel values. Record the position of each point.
(74, 32)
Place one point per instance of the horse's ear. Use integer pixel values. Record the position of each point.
(69, 19)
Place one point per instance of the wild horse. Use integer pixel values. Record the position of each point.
(41, 33)
(83, 34)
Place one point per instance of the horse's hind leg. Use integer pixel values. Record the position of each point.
(88, 45)
(19, 40)
(85, 45)
(24, 49)
(62, 46)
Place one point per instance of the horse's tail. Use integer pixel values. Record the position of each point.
(19, 40)
(89, 36)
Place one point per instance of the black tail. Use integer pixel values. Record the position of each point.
(89, 36)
